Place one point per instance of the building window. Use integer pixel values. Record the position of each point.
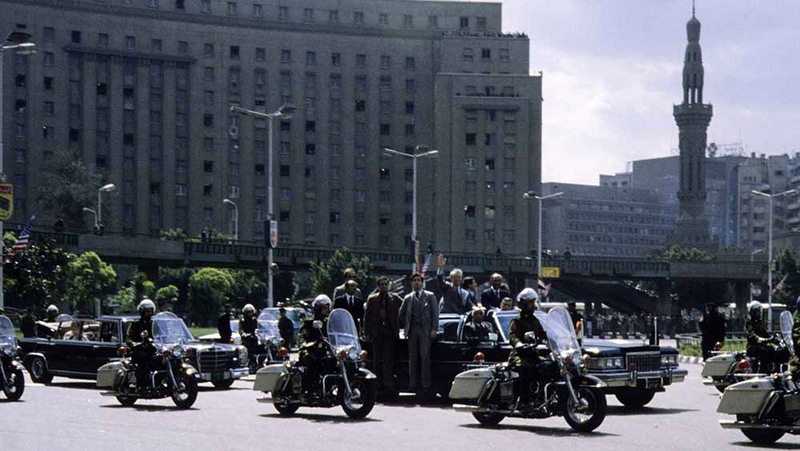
(283, 12)
(206, 6)
(504, 55)
(470, 139)
(285, 170)
(469, 235)
(208, 144)
(208, 50)
(480, 23)
(261, 54)
(486, 54)
(508, 236)
(130, 42)
(311, 58)
(48, 33)
(383, 19)
(232, 9)
(308, 15)
(180, 189)
(463, 22)
(360, 196)
(489, 164)
(48, 59)
(258, 10)
(156, 45)
(311, 149)
(361, 60)
(408, 20)
(410, 130)
(20, 129)
(152, 3)
(385, 129)
(75, 37)
(333, 16)
(489, 211)
(469, 164)
(102, 40)
(467, 54)
(411, 63)
(180, 4)
(433, 21)
(183, 47)
(208, 213)
(386, 61)
(208, 167)
(286, 56)
(208, 73)
(49, 109)
(234, 52)
(208, 97)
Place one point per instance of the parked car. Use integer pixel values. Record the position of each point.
(79, 347)
(633, 372)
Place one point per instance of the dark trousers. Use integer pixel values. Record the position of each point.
(383, 349)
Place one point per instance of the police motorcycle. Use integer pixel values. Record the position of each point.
(12, 380)
(495, 392)
(267, 344)
(339, 379)
(724, 368)
(766, 407)
(169, 374)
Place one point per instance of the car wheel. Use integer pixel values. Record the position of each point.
(14, 392)
(38, 371)
(763, 436)
(488, 419)
(222, 385)
(635, 399)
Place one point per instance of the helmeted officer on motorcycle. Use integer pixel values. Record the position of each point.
(141, 346)
(322, 309)
(760, 343)
(248, 326)
(312, 352)
(524, 357)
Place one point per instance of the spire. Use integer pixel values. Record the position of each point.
(693, 63)
(693, 8)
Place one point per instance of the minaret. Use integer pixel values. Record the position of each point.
(692, 117)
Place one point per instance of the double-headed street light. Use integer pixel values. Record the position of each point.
(416, 155)
(103, 189)
(533, 195)
(769, 250)
(19, 43)
(284, 112)
(235, 217)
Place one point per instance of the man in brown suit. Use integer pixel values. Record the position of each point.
(381, 327)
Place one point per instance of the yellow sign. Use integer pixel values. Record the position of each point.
(6, 201)
(551, 272)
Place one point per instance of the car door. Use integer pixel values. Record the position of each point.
(63, 358)
(104, 344)
(448, 354)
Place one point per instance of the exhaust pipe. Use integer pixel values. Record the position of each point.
(478, 409)
(743, 425)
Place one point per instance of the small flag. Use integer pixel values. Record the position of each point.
(780, 285)
(22, 241)
(426, 265)
(544, 287)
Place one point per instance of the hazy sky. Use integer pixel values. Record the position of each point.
(612, 71)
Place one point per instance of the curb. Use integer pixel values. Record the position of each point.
(690, 360)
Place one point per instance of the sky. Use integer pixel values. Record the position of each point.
(612, 71)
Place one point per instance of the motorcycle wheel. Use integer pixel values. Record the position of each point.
(592, 416)
(185, 396)
(286, 409)
(38, 371)
(636, 398)
(361, 407)
(127, 401)
(14, 392)
(488, 419)
(763, 436)
(222, 385)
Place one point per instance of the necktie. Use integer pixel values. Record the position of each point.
(350, 301)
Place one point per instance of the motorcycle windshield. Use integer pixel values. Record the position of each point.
(268, 330)
(342, 332)
(269, 315)
(560, 331)
(169, 329)
(787, 322)
(7, 334)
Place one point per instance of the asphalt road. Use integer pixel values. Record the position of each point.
(73, 415)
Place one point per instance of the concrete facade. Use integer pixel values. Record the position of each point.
(140, 89)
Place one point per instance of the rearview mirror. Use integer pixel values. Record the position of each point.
(492, 337)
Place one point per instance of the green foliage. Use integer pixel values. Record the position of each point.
(248, 288)
(326, 276)
(126, 299)
(691, 255)
(66, 186)
(173, 234)
(35, 277)
(208, 291)
(284, 286)
(789, 273)
(88, 278)
(167, 295)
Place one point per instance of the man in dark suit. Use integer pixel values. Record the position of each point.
(493, 296)
(224, 325)
(382, 328)
(419, 315)
(455, 299)
(351, 301)
(349, 274)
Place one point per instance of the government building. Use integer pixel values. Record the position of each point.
(140, 91)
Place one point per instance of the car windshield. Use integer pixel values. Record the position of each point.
(168, 329)
(342, 330)
(505, 322)
(786, 329)
(7, 334)
(560, 332)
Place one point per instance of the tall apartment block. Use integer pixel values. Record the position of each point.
(141, 90)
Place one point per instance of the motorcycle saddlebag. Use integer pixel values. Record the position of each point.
(469, 384)
(107, 373)
(267, 377)
(718, 366)
(791, 404)
(745, 397)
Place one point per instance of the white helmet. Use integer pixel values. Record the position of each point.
(321, 300)
(146, 304)
(754, 306)
(52, 309)
(248, 308)
(527, 294)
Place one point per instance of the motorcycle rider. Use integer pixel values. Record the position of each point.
(322, 309)
(312, 351)
(760, 343)
(525, 359)
(794, 362)
(248, 326)
(141, 348)
(52, 313)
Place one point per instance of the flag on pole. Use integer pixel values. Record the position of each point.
(426, 265)
(22, 241)
(544, 287)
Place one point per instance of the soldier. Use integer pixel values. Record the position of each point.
(522, 358)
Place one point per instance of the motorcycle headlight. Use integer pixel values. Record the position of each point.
(353, 353)
(242, 353)
(178, 351)
(7, 349)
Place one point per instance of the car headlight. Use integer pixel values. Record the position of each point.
(617, 362)
(178, 351)
(242, 353)
(353, 353)
(7, 349)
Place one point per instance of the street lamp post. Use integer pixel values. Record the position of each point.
(18, 42)
(103, 189)
(533, 195)
(414, 158)
(284, 112)
(94, 213)
(769, 249)
(235, 217)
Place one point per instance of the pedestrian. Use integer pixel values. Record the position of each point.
(285, 328)
(712, 327)
(28, 323)
(382, 328)
(494, 295)
(349, 274)
(455, 299)
(351, 301)
(506, 304)
(224, 325)
(420, 316)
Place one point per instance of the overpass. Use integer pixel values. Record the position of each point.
(578, 274)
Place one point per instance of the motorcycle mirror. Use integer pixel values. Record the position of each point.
(492, 337)
(317, 324)
(144, 334)
(530, 336)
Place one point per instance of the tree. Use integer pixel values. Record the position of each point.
(787, 280)
(35, 277)
(209, 289)
(284, 285)
(88, 278)
(167, 295)
(327, 276)
(676, 253)
(66, 186)
(248, 288)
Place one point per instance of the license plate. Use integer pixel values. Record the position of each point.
(652, 383)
